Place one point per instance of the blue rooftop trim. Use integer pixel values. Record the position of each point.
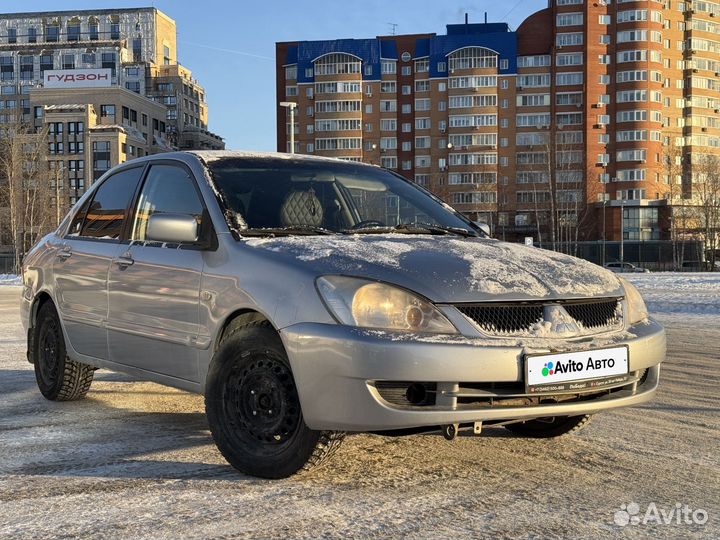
(388, 49)
(292, 55)
(422, 48)
(494, 36)
(476, 28)
(368, 50)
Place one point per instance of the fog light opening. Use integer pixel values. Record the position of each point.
(416, 393)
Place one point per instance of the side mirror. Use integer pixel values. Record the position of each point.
(172, 228)
(484, 227)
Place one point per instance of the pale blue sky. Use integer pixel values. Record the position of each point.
(230, 44)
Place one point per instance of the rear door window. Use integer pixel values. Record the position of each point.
(106, 215)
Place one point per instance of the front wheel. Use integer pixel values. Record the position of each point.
(554, 426)
(58, 377)
(254, 411)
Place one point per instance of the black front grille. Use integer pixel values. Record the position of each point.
(504, 319)
(595, 314)
(515, 319)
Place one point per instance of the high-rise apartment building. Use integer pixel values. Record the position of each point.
(105, 84)
(589, 111)
(137, 45)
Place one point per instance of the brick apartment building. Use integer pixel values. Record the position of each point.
(590, 110)
(106, 85)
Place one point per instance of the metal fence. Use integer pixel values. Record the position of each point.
(653, 255)
(7, 261)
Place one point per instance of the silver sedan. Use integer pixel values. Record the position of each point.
(307, 298)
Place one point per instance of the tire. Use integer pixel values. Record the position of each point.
(253, 407)
(546, 428)
(58, 377)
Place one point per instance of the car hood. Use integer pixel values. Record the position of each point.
(447, 269)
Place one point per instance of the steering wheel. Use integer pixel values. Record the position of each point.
(368, 223)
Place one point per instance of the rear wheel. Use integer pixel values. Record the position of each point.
(58, 377)
(254, 410)
(554, 426)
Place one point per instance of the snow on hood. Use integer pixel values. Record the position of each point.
(450, 269)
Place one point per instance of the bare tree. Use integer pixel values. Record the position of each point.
(25, 186)
(673, 170)
(706, 192)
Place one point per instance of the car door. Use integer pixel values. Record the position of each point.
(83, 258)
(153, 287)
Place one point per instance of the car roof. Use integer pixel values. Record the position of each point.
(208, 156)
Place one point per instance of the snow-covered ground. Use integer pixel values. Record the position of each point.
(680, 293)
(10, 279)
(135, 460)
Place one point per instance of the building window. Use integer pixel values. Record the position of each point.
(137, 49)
(107, 111)
(73, 32)
(569, 19)
(389, 162)
(569, 39)
(12, 35)
(93, 31)
(473, 58)
(68, 61)
(166, 55)
(7, 68)
(109, 61)
(534, 61)
(422, 66)
(406, 71)
(32, 35)
(52, 33)
(114, 31)
(388, 124)
(26, 68)
(337, 64)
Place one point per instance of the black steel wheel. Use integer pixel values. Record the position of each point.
(254, 411)
(58, 377)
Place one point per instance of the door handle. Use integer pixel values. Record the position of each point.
(124, 262)
(65, 253)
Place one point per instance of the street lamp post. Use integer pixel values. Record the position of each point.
(622, 233)
(292, 106)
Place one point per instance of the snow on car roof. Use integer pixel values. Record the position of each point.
(208, 156)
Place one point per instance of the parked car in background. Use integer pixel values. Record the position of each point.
(309, 297)
(625, 267)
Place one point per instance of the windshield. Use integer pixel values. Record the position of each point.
(311, 197)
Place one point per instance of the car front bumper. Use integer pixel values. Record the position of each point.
(336, 370)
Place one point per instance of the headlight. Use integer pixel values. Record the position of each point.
(369, 304)
(637, 311)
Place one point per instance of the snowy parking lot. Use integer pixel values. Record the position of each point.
(136, 460)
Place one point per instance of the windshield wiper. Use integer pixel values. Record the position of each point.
(284, 231)
(409, 228)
